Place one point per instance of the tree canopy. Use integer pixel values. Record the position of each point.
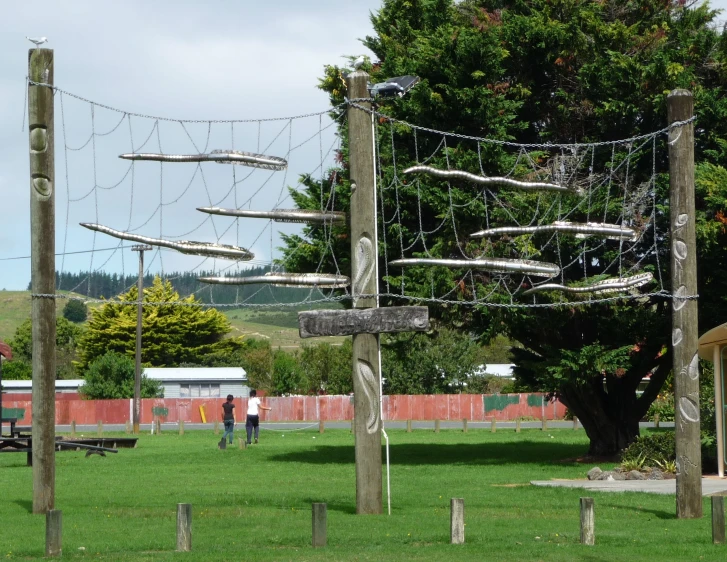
(538, 71)
(112, 376)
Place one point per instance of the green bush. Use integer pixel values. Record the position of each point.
(664, 406)
(112, 376)
(75, 311)
(654, 449)
(17, 370)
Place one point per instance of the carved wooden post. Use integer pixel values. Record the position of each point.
(364, 281)
(42, 235)
(685, 365)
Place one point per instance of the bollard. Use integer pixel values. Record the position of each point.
(436, 426)
(184, 527)
(128, 427)
(319, 524)
(588, 533)
(517, 426)
(73, 428)
(575, 423)
(493, 425)
(181, 427)
(217, 427)
(456, 522)
(159, 426)
(545, 424)
(408, 426)
(53, 532)
(321, 426)
(656, 421)
(353, 425)
(100, 428)
(718, 531)
(464, 425)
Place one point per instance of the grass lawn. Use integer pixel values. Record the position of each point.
(255, 504)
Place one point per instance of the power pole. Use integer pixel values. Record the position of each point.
(43, 265)
(364, 281)
(685, 365)
(139, 314)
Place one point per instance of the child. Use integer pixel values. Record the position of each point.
(253, 417)
(228, 418)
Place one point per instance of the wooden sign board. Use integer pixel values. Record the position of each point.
(363, 321)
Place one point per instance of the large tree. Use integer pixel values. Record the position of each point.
(538, 71)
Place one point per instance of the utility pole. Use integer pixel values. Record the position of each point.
(139, 314)
(685, 364)
(42, 268)
(364, 281)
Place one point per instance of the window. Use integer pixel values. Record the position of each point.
(199, 390)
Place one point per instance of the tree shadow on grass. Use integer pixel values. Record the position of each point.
(658, 513)
(334, 506)
(25, 504)
(530, 452)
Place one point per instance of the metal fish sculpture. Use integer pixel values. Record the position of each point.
(599, 288)
(581, 230)
(499, 265)
(507, 182)
(282, 215)
(330, 281)
(219, 156)
(206, 249)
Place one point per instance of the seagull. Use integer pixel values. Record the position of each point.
(37, 40)
(358, 62)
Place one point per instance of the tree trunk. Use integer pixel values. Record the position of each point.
(609, 418)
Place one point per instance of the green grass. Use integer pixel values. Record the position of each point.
(15, 309)
(255, 504)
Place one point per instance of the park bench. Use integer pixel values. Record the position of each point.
(11, 416)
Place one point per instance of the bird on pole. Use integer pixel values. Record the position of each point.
(359, 62)
(37, 40)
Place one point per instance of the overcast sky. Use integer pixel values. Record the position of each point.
(178, 59)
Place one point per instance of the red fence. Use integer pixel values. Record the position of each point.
(454, 407)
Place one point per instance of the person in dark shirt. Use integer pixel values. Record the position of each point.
(228, 418)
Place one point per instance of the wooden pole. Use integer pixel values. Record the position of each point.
(217, 427)
(456, 521)
(42, 268)
(718, 529)
(54, 532)
(320, 522)
(517, 426)
(73, 428)
(127, 428)
(321, 426)
(436, 426)
(575, 423)
(100, 428)
(184, 527)
(181, 427)
(364, 275)
(139, 316)
(588, 531)
(685, 362)
(493, 425)
(464, 425)
(656, 421)
(408, 426)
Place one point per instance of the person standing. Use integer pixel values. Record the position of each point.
(228, 418)
(253, 415)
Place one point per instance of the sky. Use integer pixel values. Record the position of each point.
(180, 60)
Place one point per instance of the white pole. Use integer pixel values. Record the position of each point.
(718, 407)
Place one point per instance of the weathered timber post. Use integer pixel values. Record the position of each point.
(685, 364)
(217, 427)
(408, 426)
(73, 428)
(364, 281)
(436, 426)
(136, 416)
(100, 428)
(588, 519)
(320, 517)
(42, 266)
(321, 426)
(464, 425)
(575, 423)
(184, 527)
(656, 421)
(493, 425)
(456, 521)
(181, 427)
(718, 529)
(54, 532)
(517, 426)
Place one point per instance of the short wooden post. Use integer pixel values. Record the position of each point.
(464, 425)
(408, 426)
(588, 532)
(53, 532)
(656, 421)
(517, 426)
(217, 427)
(184, 527)
(128, 427)
(718, 530)
(181, 427)
(100, 428)
(456, 522)
(321, 426)
(436, 426)
(545, 424)
(320, 517)
(242, 443)
(73, 428)
(493, 425)
(353, 425)
(159, 426)
(575, 423)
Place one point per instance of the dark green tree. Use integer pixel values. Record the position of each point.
(538, 71)
(68, 336)
(326, 368)
(75, 311)
(112, 376)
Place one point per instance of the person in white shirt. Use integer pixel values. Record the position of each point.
(253, 415)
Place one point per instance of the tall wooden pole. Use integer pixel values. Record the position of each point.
(685, 364)
(42, 274)
(139, 315)
(364, 275)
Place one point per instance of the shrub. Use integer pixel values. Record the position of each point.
(664, 406)
(112, 376)
(75, 311)
(656, 449)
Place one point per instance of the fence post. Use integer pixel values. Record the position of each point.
(464, 425)
(517, 426)
(718, 530)
(217, 427)
(493, 425)
(575, 423)
(54, 532)
(320, 522)
(184, 527)
(656, 421)
(456, 522)
(436, 426)
(159, 426)
(321, 426)
(100, 428)
(408, 426)
(73, 428)
(588, 532)
(181, 427)
(128, 427)
(545, 424)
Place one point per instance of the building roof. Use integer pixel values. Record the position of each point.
(186, 374)
(60, 384)
(496, 369)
